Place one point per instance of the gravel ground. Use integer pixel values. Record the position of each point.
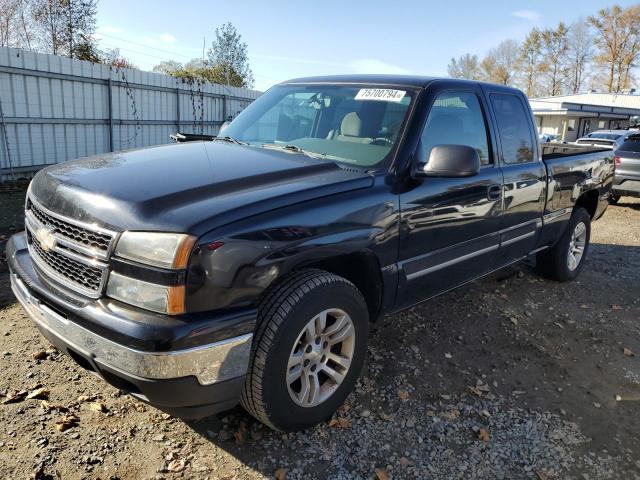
(511, 377)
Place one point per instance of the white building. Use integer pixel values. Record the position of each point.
(573, 116)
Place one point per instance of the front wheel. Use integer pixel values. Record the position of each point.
(309, 348)
(566, 258)
(614, 199)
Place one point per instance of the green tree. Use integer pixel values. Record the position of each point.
(86, 49)
(229, 59)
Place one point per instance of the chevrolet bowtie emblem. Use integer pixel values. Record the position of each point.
(46, 238)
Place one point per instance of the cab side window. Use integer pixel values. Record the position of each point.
(456, 119)
(513, 128)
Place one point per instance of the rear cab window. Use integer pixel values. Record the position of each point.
(514, 129)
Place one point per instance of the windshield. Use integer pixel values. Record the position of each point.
(358, 125)
(631, 145)
(597, 141)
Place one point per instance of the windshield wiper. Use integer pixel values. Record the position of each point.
(229, 139)
(290, 147)
(295, 149)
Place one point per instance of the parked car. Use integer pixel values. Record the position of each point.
(627, 178)
(248, 268)
(548, 137)
(606, 138)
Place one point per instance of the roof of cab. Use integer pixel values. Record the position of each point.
(417, 81)
(406, 80)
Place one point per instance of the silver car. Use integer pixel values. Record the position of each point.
(606, 138)
(627, 176)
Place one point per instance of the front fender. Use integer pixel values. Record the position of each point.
(246, 257)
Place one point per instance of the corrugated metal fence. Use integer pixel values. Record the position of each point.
(54, 109)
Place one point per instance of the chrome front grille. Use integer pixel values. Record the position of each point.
(68, 252)
(84, 276)
(91, 239)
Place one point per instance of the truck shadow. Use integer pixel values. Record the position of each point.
(627, 202)
(548, 342)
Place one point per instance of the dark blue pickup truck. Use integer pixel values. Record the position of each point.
(248, 268)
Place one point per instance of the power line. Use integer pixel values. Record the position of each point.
(145, 46)
(126, 49)
(160, 50)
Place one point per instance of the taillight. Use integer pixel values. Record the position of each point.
(617, 160)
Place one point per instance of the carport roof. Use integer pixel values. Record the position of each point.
(588, 104)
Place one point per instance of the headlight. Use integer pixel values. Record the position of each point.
(166, 250)
(157, 298)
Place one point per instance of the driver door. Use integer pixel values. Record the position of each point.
(450, 226)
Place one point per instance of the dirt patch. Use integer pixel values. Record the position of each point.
(511, 377)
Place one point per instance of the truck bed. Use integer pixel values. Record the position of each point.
(552, 150)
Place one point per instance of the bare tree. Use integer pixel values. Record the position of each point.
(631, 48)
(25, 18)
(16, 26)
(500, 63)
(466, 66)
(113, 58)
(8, 11)
(529, 62)
(554, 50)
(579, 55)
(65, 25)
(616, 41)
(49, 18)
(168, 67)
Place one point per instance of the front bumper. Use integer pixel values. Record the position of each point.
(187, 382)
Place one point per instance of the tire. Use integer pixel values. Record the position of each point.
(614, 199)
(283, 337)
(555, 263)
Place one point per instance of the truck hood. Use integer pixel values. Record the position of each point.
(190, 187)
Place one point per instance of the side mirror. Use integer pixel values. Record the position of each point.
(450, 161)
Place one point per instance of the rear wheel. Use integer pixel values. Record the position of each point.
(309, 348)
(564, 261)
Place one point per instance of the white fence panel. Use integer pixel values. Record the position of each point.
(54, 109)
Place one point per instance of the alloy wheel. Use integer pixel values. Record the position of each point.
(576, 246)
(321, 357)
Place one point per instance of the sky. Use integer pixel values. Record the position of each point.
(303, 38)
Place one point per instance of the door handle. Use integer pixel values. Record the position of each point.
(494, 192)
